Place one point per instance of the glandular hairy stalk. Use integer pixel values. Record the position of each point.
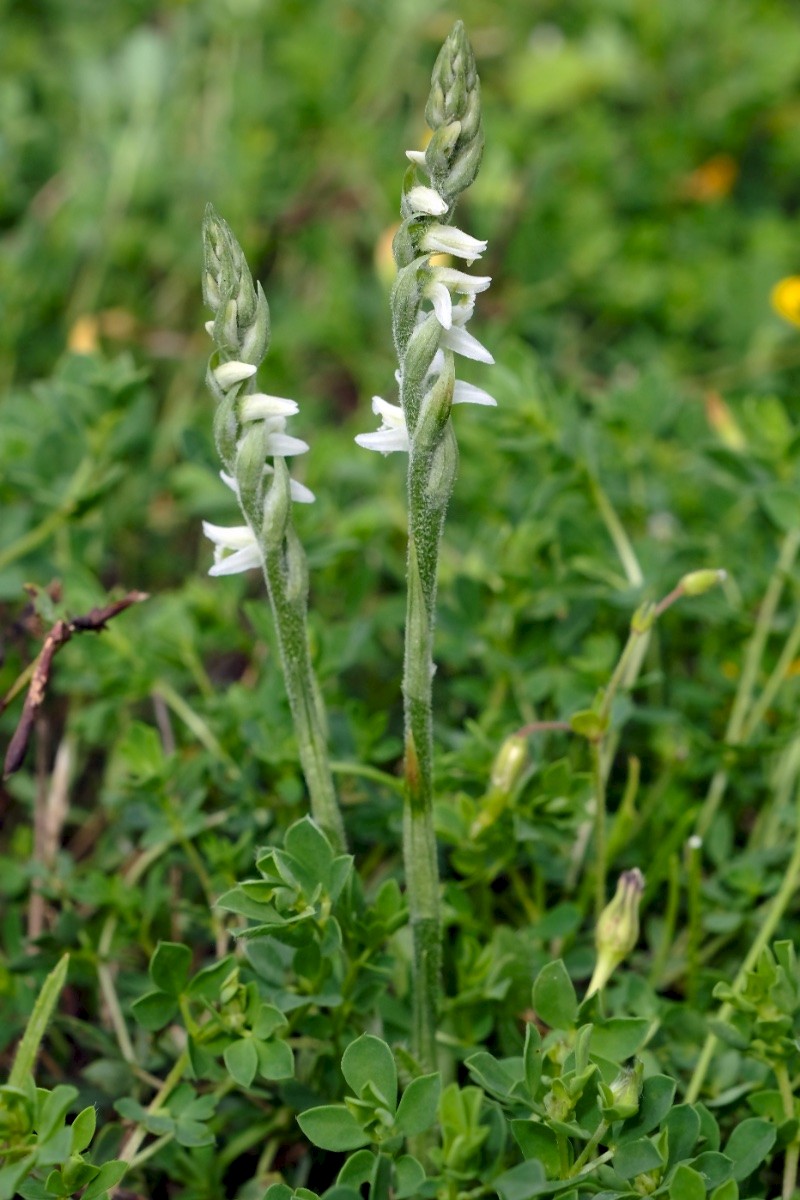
(249, 428)
(431, 306)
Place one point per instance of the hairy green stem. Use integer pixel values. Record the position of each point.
(419, 839)
(288, 610)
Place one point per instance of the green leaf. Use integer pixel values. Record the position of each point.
(409, 1177)
(687, 1184)
(275, 1060)
(748, 1145)
(636, 1157)
(332, 1127)
(83, 1128)
(726, 1191)
(521, 1182)
(532, 1058)
(154, 1010)
(554, 996)
(494, 1075)
(268, 1020)
(781, 504)
(193, 1133)
(654, 1104)
(241, 1059)
(24, 1066)
(308, 846)
(539, 1142)
(588, 724)
(206, 984)
(368, 1060)
(683, 1125)
(619, 1038)
(11, 1176)
(357, 1170)
(714, 1167)
(169, 967)
(108, 1177)
(54, 1110)
(416, 1111)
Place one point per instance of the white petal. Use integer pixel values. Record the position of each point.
(437, 363)
(229, 482)
(300, 492)
(231, 537)
(281, 445)
(442, 303)
(446, 239)
(459, 281)
(242, 560)
(392, 415)
(209, 328)
(461, 342)
(426, 200)
(258, 406)
(229, 373)
(384, 440)
(416, 156)
(467, 393)
(463, 311)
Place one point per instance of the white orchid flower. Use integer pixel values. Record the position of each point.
(393, 433)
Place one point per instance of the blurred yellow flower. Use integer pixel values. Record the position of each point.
(785, 299)
(712, 180)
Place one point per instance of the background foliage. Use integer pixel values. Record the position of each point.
(638, 192)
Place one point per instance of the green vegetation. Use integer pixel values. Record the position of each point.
(201, 994)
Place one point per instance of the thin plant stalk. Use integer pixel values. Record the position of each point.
(250, 434)
(735, 732)
(781, 901)
(431, 306)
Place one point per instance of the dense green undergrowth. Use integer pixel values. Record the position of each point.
(638, 192)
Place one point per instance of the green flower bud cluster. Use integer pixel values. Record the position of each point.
(453, 112)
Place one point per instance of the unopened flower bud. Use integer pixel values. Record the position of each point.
(509, 764)
(617, 928)
(507, 770)
(698, 582)
(620, 1098)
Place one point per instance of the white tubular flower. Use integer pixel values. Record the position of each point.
(417, 157)
(442, 302)
(446, 239)
(280, 444)
(467, 393)
(426, 200)
(393, 433)
(258, 406)
(462, 312)
(229, 373)
(460, 342)
(240, 541)
(459, 281)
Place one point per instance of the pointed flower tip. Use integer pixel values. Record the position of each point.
(259, 407)
(230, 373)
(393, 433)
(426, 200)
(446, 239)
(240, 541)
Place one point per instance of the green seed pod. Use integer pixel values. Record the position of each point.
(617, 928)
